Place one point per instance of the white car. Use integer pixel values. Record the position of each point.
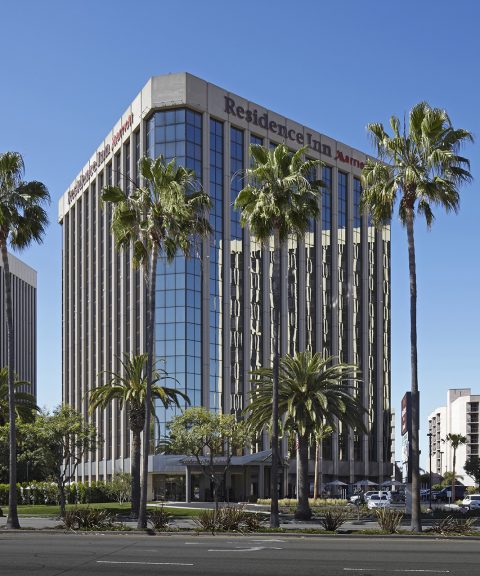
(472, 501)
(378, 501)
(371, 493)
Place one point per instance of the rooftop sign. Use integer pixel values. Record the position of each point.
(100, 158)
(253, 116)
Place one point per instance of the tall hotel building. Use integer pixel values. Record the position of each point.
(213, 322)
(24, 301)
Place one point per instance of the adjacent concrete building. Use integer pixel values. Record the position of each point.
(213, 313)
(24, 296)
(459, 416)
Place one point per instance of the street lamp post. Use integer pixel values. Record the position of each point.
(430, 467)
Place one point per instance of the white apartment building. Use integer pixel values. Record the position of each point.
(459, 416)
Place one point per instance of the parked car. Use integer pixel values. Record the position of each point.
(357, 498)
(445, 494)
(378, 501)
(472, 501)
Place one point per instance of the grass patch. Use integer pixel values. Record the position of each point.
(53, 511)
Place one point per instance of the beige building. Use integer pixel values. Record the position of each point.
(459, 416)
(213, 316)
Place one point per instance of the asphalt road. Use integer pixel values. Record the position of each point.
(50, 554)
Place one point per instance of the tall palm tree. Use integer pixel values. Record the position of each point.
(129, 387)
(313, 392)
(23, 220)
(455, 440)
(167, 215)
(424, 169)
(25, 403)
(280, 199)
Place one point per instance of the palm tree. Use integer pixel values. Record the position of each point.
(167, 215)
(313, 392)
(455, 440)
(424, 169)
(324, 431)
(25, 403)
(23, 220)
(279, 200)
(129, 387)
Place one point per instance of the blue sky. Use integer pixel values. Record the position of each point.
(69, 70)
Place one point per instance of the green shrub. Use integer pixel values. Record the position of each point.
(331, 520)
(389, 520)
(88, 519)
(207, 520)
(317, 502)
(452, 525)
(159, 518)
(229, 518)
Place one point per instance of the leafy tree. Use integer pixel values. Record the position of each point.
(120, 487)
(455, 440)
(313, 392)
(25, 403)
(30, 457)
(23, 220)
(472, 468)
(449, 477)
(65, 437)
(129, 387)
(421, 165)
(211, 439)
(280, 199)
(163, 218)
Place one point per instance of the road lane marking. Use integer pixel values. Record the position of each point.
(145, 563)
(403, 570)
(253, 549)
(268, 540)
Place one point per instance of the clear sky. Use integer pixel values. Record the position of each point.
(69, 70)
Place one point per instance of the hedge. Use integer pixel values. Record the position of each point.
(47, 493)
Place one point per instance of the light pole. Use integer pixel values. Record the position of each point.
(441, 464)
(430, 468)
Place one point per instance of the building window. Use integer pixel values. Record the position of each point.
(177, 134)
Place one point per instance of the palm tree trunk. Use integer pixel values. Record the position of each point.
(416, 525)
(453, 478)
(274, 514)
(136, 452)
(315, 474)
(303, 511)
(12, 519)
(152, 280)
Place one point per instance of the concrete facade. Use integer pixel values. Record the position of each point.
(24, 295)
(213, 319)
(459, 416)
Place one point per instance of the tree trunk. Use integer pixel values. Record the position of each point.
(303, 511)
(12, 519)
(315, 476)
(135, 468)
(274, 515)
(453, 479)
(416, 525)
(152, 280)
(62, 499)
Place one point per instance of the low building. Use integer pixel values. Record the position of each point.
(459, 416)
